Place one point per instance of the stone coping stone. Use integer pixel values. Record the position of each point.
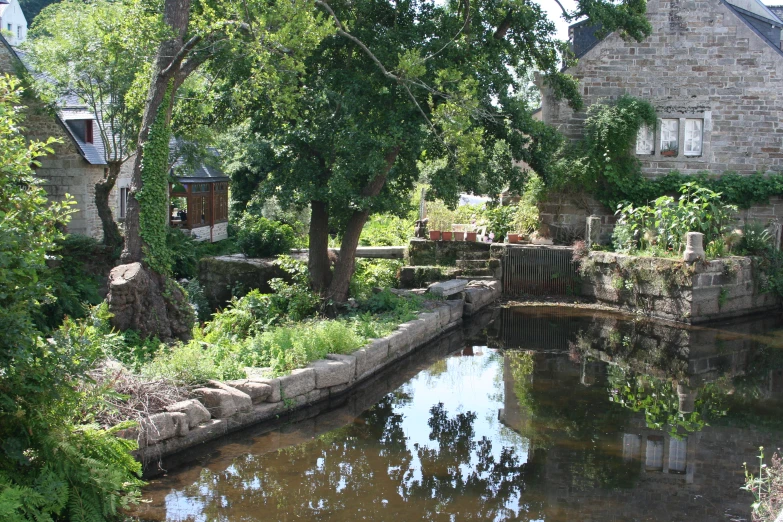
(447, 288)
(233, 405)
(334, 370)
(257, 391)
(296, 383)
(195, 411)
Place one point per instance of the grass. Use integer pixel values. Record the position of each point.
(224, 348)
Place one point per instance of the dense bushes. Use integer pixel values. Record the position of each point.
(261, 237)
(51, 466)
(661, 226)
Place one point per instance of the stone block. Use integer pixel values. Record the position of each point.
(220, 403)
(371, 357)
(195, 411)
(456, 307)
(158, 427)
(447, 288)
(399, 343)
(316, 395)
(242, 400)
(274, 385)
(444, 316)
(332, 371)
(298, 382)
(181, 424)
(258, 391)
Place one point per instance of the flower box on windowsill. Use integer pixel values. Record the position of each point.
(669, 153)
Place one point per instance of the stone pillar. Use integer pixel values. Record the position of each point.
(686, 398)
(776, 231)
(694, 247)
(593, 231)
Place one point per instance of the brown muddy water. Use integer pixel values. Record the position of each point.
(531, 414)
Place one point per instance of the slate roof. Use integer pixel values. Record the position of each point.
(777, 10)
(203, 171)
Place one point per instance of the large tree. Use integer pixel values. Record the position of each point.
(404, 88)
(98, 53)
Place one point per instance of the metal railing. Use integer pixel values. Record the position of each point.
(539, 270)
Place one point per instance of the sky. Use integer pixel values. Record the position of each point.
(555, 14)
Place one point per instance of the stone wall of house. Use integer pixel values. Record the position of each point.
(65, 171)
(702, 61)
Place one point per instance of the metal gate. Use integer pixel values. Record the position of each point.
(539, 270)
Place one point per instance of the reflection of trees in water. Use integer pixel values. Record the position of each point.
(369, 470)
(567, 416)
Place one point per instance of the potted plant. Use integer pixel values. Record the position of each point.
(459, 235)
(434, 235)
(440, 220)
(669, 150)
(470, 236)
(513, 237)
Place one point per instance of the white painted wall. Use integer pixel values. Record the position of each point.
(11, 15)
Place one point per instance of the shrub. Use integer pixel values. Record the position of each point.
(261, 237)
(665, 223)
(500, 220)
(74, 285)
(196, 362)
(198, 300)
(373, 273)
(184, 253)
(50, 467)
(756, 239)
(386, 230)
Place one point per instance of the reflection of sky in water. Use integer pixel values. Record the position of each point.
(462, 383)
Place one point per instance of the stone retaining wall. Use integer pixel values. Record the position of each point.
(670, 289)
(224, 407)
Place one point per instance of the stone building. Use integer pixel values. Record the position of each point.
(713, 69)
(77, 163)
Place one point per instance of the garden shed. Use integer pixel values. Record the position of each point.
(199, 204)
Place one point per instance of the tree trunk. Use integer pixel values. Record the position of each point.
(111, 233)
(318, 257)
(176, 16)
(343, 269)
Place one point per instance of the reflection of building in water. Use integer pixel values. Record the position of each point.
(606, 464)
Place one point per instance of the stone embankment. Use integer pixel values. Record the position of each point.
(224, 407)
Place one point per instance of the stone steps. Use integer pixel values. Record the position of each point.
(474, 255)
(472, 263)
(478, 272)
(478, 277)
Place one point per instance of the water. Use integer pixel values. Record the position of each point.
(547, 414)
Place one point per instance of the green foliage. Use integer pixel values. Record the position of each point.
(153, 196)
(374, 273)
(526, 218)
(260, 237)
(73, 285)
(440, 216)
(50, 468)
(386, 230)
(500, 220)
(665, 223)
(184, 253)
(756, 239)
(767, 488)
(198, 300)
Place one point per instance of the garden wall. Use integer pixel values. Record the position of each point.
(423, 252)
(673, 290)
(225, 407)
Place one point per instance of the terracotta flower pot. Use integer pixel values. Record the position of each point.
(471, 236)
(435, 235)
(446, 235)
(669, 153)
(513, 238)
(459, 236)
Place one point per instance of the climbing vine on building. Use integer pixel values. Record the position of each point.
(153, 195)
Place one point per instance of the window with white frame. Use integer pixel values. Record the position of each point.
(645, 140)
(678, 449)
(654, 453)
(632, 446)
(123, 207)
(670, 135)
(693, 136)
